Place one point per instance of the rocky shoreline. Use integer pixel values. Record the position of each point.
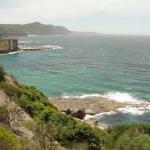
(91, 105)
(80, 108)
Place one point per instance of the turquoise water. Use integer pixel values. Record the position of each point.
(87, 64)
(116, 66)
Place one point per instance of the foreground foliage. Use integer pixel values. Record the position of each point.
(56, 131)
(51, 125)
(8, 140)
(128, 137)
(2, 74)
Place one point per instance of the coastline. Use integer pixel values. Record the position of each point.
(11, 53)
(91, 105)
(94, 107)
(40, 48)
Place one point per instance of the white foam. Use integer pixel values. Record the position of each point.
(47, 46)
(24, 42)
(42, 47)
(121, 97)
(16, 52)
(113, 96)
(52, 46)
(88, 117)
(135, 110)
(57, 47)
(32, 35)
(81, 96)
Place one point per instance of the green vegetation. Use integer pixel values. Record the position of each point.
(128, 137)
(34, 28)
(56, 131)
(4, 115)
(57, 126)
(8, 140)
(4, 44)
(26, 144)
(2, 74)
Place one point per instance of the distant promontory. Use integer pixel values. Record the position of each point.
(35, 28)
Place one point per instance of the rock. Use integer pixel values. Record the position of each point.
(68, 111)
(90, 111)
(80, 114)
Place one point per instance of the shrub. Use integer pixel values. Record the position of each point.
(2, 74)
(141, 142)
(128, 137)
(4, 115)
(8, 140)
(12, 91)
(26, 144)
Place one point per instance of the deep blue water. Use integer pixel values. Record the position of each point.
(87, 64)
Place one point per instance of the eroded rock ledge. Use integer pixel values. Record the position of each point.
(78, 108)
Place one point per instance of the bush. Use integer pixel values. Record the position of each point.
(141, 142)
(4, 115)
(2, 74)
(12, 91)
(51, 125)
(8, 140)
(26, 144)
(126, 137)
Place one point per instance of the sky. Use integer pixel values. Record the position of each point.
(104, 16)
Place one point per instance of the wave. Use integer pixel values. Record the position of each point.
(32, 35)
(25, 42)
(57, 47)
(66, 96)
(52, 46)
(134, 106)
(41, 47)
(135, 111)
(122, 97)
(112, 96)
(16, 52)
(88, 117)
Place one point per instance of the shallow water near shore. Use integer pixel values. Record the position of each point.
(114, 66)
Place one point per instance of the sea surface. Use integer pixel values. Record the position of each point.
(87, 64)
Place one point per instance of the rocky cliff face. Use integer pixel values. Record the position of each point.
(16, 116)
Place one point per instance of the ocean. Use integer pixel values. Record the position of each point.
(114, 66)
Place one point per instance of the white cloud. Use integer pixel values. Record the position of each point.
(74, 8)
(23, 11)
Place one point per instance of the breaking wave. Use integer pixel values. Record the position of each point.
(134, 107)
(25, 42)
(135, 111)
(113, 96)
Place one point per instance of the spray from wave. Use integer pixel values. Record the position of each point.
(122, 97)
(134, 111)
(134, 106)
(112, 96)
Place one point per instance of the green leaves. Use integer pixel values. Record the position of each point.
(8, 140)
(128, 137)
(2, 74)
